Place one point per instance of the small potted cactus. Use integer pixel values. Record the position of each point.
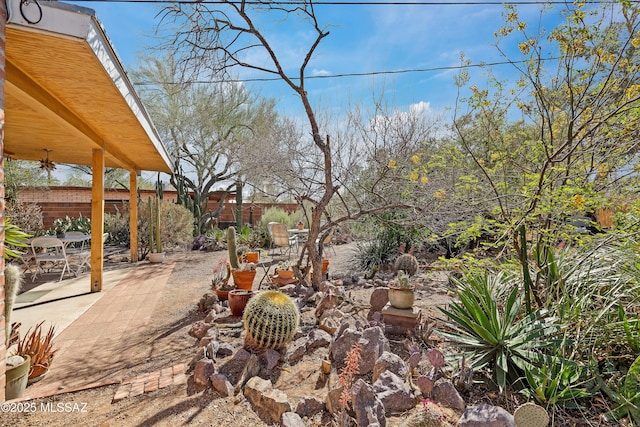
(243, 273)
(401, 292)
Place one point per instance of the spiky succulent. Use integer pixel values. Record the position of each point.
(407, 263)
(271, 319)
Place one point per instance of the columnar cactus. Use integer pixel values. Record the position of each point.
(407, 263)
(271, 319)
(12, 284)
(233, 250)
(531, 415)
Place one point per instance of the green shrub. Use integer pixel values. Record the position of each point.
(176, 226)
(117, 225)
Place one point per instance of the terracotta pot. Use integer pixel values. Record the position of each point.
(285, 274)
(17, 378)
(251, 257)
(401, 298)
(243, 279)
(238, 299)
(222, 295)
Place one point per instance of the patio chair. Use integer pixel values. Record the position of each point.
(82, 258)
(51, 250)
(280, 238)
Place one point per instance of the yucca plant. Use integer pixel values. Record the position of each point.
(497, 336)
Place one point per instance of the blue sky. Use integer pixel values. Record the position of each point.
(363, 39)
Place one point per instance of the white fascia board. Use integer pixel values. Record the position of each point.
(101, 46)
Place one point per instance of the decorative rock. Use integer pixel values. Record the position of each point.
(318, 338)
(332, 400)
(379, 298)
(341, 345)
(221, 384)
(374, 344)
(368, 408)
(271, 357)
(328, 287)
(203, 370)
(199, 329)
(483, 415)
(211, 349)
(288, 289)
(328, 301)
(395, 394)
(309, 406)
(331, 320)
(224, 350)
(291, 419)
(389, 362)
(446, 395)
(269, 402)
(242, 355)
(296, 351)
(205, 341)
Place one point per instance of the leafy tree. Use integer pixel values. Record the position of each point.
(560, 141)
(209, 128)
(24, 174)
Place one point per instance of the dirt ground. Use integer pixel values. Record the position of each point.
(168, 343)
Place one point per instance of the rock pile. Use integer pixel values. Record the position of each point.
(394, 376)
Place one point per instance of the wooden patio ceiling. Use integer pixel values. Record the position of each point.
(66, 91)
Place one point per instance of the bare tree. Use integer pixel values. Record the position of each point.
(218, 39)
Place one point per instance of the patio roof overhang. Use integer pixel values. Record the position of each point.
(67, 91)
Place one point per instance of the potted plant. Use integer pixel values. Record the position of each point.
(17, 365)
(243, 273)
(156, 255)
(401, 292)
(220, 280)
(284, 270)
(238, 299)
(251, 256)
(17, 372)
(39, 347)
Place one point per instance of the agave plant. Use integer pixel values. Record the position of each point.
(498, 336)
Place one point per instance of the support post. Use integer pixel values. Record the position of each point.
(133, 216)
(97, 220)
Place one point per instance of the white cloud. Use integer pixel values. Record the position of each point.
(316, 72)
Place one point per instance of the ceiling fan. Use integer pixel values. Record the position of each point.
(47, 164)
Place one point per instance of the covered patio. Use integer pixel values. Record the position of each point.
(68, 99)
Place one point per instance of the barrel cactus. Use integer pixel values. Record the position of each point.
(407, 263)
(271, 319)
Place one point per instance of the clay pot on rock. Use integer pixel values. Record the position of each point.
(243, 279)
(238, 299)
(401, 298)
